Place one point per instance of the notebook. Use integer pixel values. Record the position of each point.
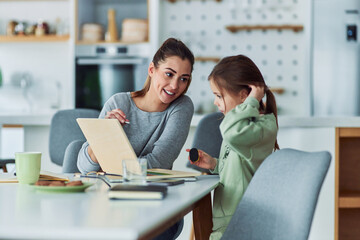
(108, 141)
(44, 175)
(139, 192)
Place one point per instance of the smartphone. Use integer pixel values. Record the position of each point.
(167, 182)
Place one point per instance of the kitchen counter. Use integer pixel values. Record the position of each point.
(319, 122)
(42, 118)
(307, 122)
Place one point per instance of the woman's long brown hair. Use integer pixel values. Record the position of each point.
(235, 73)
(171, 47)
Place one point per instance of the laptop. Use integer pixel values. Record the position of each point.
(108, 141)
(110, 145)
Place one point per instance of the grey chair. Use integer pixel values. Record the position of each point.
(4, 162)
(280, 200)
(207, 137)
(66, 138)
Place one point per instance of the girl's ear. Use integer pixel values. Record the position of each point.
(151, 69)
(243, 94)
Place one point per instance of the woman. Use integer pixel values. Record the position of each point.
(157, 118)
(159, 115)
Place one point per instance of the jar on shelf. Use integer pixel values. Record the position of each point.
(10, 29)
(92, 32)
(20, 28)
(111, 35)
(30, 29)
(42, 28)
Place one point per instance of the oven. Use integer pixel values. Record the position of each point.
(102, 71)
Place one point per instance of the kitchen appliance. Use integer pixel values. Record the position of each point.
(103, 70)
(336, 72)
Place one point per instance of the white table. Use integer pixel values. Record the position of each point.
(27, 214)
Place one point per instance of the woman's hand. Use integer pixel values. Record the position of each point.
(117, 114)
(205, 160)
(257, 92)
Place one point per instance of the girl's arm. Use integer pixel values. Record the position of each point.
(242, 127)
(205, 160)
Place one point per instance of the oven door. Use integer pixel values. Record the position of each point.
(97, 79)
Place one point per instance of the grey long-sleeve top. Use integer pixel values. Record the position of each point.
(157, 136)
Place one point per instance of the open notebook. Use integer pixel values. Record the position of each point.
(110, 145)
(44, 175)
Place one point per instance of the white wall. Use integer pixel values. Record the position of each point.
(47, 64)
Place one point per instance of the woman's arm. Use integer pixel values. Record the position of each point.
(84, 162)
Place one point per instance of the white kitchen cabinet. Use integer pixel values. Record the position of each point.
(11, 141)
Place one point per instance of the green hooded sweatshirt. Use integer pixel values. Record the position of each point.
(248, 138)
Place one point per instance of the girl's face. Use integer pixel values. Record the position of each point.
(225, 101)
(170, 79)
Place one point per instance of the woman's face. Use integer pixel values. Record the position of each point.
(225, 101)
(170, 79)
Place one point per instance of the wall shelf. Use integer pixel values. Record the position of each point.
(207, 59)
(105, 42)
(350, 199)
(277, 90)
(236, 28)
(135, 9)
(33, 38)
(174, 1)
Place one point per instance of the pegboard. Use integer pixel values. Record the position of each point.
(283, 56)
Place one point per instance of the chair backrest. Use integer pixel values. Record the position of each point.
(71, 156)
(207, 137)
(280, 200)
(64, 129)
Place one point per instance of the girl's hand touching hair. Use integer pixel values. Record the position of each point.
(205, 160)
(117, 114)
(257, 92)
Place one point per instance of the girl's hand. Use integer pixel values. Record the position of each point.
(117, 114)
(257, 92)
(205, 160)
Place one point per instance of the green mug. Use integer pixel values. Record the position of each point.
(28, 166)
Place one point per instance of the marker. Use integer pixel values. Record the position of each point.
(194, 155)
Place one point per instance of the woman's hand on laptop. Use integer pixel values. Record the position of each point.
(117, 114)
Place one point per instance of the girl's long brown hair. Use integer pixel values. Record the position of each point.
(235, 73)
(171, 47)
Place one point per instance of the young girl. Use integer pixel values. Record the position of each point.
(249, 131)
